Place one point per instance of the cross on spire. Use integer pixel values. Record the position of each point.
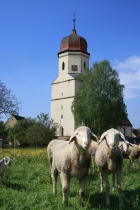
(74, 21)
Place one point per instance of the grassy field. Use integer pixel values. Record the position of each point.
(27, 185)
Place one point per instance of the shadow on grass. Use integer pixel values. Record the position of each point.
(14, 186)
(131, 200)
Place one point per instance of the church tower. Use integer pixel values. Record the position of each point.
(73, 58)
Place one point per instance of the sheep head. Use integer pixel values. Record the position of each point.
(125, 146)
(112, 137)
(83, 136)
(7, 161)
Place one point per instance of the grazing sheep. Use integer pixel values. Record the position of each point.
(108, 158)
(72, 159)
(92, 150)
(133, 153)
(124, 146)
(3, 164)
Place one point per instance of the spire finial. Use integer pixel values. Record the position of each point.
(74, 31)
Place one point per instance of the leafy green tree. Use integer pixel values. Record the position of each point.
(8, 102)
(19, 131)
(3, 131)
(33, 132)
(99, 103)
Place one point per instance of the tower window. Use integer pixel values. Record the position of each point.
(61, 116)
(84, 64)
(63, 66)
(61, 106)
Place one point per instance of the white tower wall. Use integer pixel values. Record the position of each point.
(64, 88)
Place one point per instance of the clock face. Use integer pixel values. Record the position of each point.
(74, 68)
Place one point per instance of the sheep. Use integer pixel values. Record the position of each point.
(109, 159)
(132, 153)
(124, 146)
(71, 159)
(6, 161)
(92, 149)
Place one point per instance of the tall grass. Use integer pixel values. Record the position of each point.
(27, 185)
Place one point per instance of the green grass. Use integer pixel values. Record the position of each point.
(27, 185)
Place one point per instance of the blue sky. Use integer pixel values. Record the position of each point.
(30, 35)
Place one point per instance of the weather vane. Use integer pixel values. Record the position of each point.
(74, 20)
(74, 15)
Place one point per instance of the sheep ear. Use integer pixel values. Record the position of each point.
(72, 138)
(122, 136)
(120, 145)
(94, 137)
(131, 144)
(103, 136)
(124, 146)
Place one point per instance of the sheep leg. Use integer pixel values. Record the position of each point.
(54, 175)
(118, 176)
(104, 175)
(82, 183)
(102, 186)
(65, 180)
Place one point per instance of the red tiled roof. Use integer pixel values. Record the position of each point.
(126, 122)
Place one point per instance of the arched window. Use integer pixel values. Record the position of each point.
(84, 64)
(63, 66)
(61, 131)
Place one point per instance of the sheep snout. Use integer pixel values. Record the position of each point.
(112, 146)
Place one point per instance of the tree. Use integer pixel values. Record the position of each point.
(3, 131)
(33, 132)
(99, 103)
(8, 102)
(19, 131)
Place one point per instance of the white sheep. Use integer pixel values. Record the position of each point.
(72, 159)
(133, 153)
(92, 150)
(3, 164)
(124, 146)
(108, 158)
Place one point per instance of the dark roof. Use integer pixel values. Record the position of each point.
(18, 117)
(126, 122)
(73, 43)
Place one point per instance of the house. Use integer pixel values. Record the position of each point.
(126, 128)
(13, 120)
(135, 132)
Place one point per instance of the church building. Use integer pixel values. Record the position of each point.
(73, 58)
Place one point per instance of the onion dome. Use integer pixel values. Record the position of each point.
(73, 42)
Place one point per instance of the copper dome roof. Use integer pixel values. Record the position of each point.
(73, 42)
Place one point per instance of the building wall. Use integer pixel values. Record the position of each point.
(64, 88)
(62, 98)
(10, 122)
(72, 58)
(126, 131)
(61, 113)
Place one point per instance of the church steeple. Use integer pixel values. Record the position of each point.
(74, 30)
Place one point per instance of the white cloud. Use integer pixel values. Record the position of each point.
(129, 74)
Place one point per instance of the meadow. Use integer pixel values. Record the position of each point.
(27, 185)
